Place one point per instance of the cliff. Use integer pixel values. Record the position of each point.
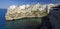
(36, 10)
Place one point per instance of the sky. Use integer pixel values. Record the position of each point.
(6, 3)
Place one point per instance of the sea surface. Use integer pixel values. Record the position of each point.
(2, 18)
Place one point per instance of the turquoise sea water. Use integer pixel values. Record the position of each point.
(23, 23)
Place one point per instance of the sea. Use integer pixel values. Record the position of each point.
(2, 18)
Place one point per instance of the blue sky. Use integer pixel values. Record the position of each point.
(6, 3)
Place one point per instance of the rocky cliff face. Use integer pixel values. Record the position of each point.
(37, 10)
(54, 16)
(15, 12)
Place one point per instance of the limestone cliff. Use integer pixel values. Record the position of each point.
(36, 10)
